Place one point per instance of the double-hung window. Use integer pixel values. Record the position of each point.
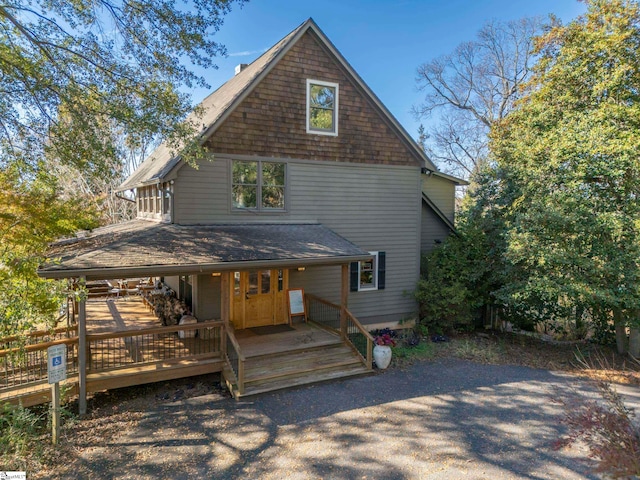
(322, 107)
(369, 274)
(258, 185)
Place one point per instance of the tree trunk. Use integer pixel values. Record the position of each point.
(621, 331)
(634, 335)
(579, 322)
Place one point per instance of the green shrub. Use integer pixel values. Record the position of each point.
(19, 429)
(445, 293)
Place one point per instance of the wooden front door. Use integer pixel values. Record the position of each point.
(258, 298)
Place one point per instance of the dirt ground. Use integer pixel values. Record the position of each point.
(117, 414)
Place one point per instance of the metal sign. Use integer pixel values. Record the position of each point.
(57, 363)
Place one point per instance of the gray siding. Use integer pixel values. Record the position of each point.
(207, 293)
(377, 207)
(441, 192)
(173, 283)
(433, 228)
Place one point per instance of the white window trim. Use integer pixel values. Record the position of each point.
(310, 130)
(375, 274)
(259, 208)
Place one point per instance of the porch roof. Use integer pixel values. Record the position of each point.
(144, 248)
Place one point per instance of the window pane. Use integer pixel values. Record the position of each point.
(253, 283)
(245, 173)
(322, 96)
(272, 173)
(273, 197)
(244, 196)
(368, 273)
(320, 119)
(280, 280)
(322, 107)
(265, 286)
(236, 283)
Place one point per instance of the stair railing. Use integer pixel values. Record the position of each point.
(235, 359)
(332, 317)
(359, 338)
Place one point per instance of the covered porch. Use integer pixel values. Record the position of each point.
(328, 343)
(127, 345)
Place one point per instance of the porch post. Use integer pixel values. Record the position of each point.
(82, 349)
(344, 296)
(225, 299)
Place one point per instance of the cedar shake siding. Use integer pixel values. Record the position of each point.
(271, 121)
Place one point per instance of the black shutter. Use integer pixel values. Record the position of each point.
(382, 269)
(355, 281)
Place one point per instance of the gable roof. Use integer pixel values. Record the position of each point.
(218, 105)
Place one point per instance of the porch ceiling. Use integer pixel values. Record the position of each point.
(143, 248)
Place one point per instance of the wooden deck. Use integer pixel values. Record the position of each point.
(119, 314)
(127, 345)
(301, 335)
(303, 355)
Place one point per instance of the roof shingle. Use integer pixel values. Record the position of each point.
(151, 248)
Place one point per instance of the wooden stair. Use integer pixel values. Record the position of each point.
(266, 373)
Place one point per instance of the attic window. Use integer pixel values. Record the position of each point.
(322, 107)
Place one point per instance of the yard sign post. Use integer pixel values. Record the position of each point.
(57, 372)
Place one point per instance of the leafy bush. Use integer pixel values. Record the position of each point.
(445, 293)
(19, 429)
(607, 428)
(605, 425)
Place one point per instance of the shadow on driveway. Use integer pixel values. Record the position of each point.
(434, 420)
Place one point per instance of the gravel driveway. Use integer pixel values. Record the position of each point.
(446, 419)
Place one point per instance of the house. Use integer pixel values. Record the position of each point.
(312, 184)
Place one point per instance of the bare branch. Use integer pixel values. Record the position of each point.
(475, 86)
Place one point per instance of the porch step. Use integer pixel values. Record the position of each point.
(301, 367)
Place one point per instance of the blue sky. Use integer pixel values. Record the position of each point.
(385, 41)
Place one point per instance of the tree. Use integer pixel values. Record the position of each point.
(569, 168)
(82, 82)
(471, 89)
(65, 64)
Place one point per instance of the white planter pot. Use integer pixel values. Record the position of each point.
(382, 356)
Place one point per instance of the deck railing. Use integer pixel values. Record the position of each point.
(108, 351)
(328, 315)
(360, 338)
(20, 366)
(38, 336)
(322, 312)
(235, 360)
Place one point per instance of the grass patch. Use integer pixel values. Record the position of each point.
(405, 355)
(478, 351)
(21, 434)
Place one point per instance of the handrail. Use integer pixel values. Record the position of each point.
(311, 296)
(236, 344)
(350, 328)
(38, 346)
(153, 330)
(360, 327)
(240, 359)
(106, 351)
(323, 312)
(368, 354)
(38, 333)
